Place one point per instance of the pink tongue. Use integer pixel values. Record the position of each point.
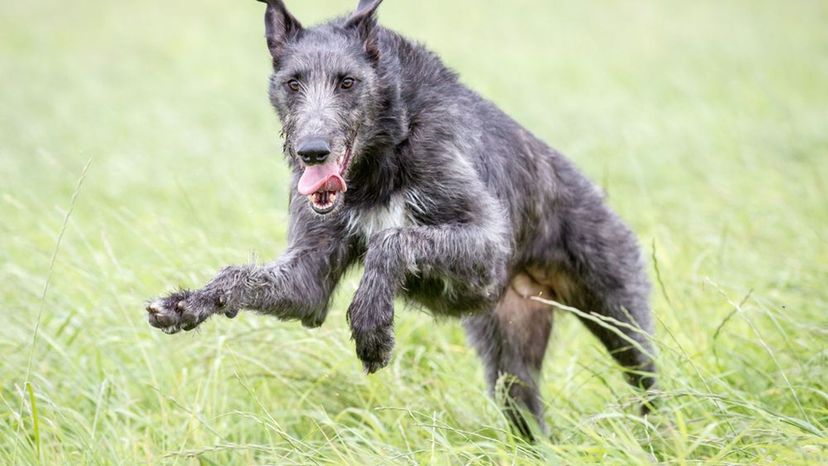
(323, 177)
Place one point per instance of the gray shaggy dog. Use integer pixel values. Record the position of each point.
(444, 199)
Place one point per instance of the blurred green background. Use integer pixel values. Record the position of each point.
(138, 152)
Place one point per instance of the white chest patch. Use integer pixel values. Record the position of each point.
(368, 222)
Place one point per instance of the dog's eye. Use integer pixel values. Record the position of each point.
(293, 85)
(347, 83)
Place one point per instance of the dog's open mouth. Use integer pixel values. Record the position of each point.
(323, 184)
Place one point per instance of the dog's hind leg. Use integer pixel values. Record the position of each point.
(610, 282)
(625, 334)
(512, 341)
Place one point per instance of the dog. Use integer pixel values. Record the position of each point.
(444, 199)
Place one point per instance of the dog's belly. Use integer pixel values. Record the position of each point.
(447, 297)
(450, 298)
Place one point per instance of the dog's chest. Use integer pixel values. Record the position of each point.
(366, 222)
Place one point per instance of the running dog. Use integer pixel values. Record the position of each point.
(444, 199)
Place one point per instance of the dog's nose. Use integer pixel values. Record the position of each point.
(313, 151)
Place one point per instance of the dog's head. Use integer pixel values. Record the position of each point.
(325, 90)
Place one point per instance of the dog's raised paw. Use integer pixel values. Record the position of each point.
(165, 313)
(186, 310)
(163, 318)
(374, 348)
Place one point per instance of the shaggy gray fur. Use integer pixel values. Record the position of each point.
(450, 204)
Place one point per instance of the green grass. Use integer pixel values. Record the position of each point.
(706, 122)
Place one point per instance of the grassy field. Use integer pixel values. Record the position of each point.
(138, 152)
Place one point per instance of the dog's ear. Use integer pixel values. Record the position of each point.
(280, 27)
(364, 21)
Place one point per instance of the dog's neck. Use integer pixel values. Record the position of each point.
(380, 170)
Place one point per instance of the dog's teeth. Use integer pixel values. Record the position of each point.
(323, 200)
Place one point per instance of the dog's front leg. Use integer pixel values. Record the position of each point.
(297, 286)
(474, 254)
(294, 287)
